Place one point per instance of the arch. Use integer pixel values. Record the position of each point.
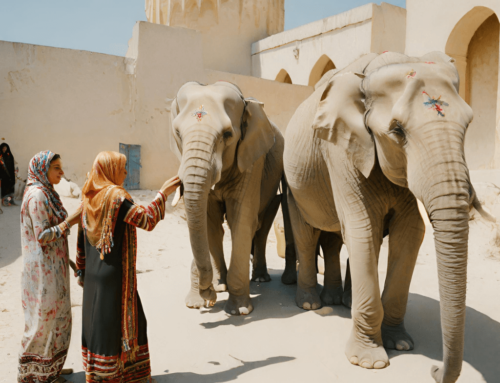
(474, 44)
(283, 77)
(323, 65)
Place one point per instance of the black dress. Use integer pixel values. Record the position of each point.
(7, 171)
(102, 347)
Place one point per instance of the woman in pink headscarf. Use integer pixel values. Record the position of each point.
(45, 280)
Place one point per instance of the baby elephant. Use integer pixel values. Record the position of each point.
(231, 165)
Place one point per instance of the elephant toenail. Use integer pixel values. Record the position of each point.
(379, 364)
(243, 311)
(365, 364)
(233, 312)
(354, 360)
(306, 306)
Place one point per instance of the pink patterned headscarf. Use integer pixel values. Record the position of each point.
(37, 178)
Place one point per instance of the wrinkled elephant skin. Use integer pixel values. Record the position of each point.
(380, 133)
(231, 166)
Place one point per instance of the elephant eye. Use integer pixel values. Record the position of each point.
(399, 130)
(228, 135)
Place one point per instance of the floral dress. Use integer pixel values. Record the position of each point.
(45, 291)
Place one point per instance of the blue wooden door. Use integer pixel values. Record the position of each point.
(133, 154)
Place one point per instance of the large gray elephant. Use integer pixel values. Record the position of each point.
(377, 134)
(231, 165)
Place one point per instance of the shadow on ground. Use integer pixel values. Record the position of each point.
(271, 300)
(482, 336)
(223, 376)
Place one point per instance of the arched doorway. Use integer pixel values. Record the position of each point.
(283, 77)
(323, 65)
(474, 43)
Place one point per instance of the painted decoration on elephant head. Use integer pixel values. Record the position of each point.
(200, 113)
(411, 74)
(434, 103)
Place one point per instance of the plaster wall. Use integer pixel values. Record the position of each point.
(280, 100)
(342, 38)
(481, 93)
(229, 27)
(78, 103)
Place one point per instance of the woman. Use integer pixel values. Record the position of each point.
(114, 339)
(7, 175)
(45, 279)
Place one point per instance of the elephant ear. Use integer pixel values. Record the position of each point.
(257, 134)
(175, 144)
(340, 120)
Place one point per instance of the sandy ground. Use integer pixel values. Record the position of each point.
(277, 342)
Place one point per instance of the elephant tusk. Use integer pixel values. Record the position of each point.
(179, 192)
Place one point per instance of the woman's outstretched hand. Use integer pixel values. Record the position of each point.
(170, 185)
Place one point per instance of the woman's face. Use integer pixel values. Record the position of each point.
(121, 176)
(55, 172)
(4, 149)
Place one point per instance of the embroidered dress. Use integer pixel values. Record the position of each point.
(114, 335)
(45, 279)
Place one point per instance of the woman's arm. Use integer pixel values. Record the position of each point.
(146, 217)
(50, 234)
(38, 208)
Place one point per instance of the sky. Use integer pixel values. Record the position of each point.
(105, 26)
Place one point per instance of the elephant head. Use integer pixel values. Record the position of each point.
(217, 132)
(406, 114)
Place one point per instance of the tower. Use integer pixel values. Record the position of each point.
(228, 27)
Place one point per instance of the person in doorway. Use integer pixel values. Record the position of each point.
(114, 339)
(7, 175)
(45, 279)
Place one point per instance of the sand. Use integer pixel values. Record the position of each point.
(277, 342)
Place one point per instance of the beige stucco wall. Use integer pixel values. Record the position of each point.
(280, 100)
(481, 93)
(228, 27)
(449, 26)
(343, 38)
(79, 103)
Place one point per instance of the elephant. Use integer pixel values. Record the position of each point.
(231, 166)
(369, 141)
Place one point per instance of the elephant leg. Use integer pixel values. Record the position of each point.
(306, 239)
(331, 243)
(215, 230)
(259, 269)
(347, 297)
(289, 276)
(365, 346)
(193, 299)
(406, 233)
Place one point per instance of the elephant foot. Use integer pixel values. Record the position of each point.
(347, 298)
(194, 300)
(238, 305)
(220, 285)
(308, 299)
(332, 295)
(366, 353)
(289, 276)
(396, 337)
(260, 275)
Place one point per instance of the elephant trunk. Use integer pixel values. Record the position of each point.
(196, 174)
(446, 195)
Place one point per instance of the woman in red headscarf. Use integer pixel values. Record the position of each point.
(115, 345)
